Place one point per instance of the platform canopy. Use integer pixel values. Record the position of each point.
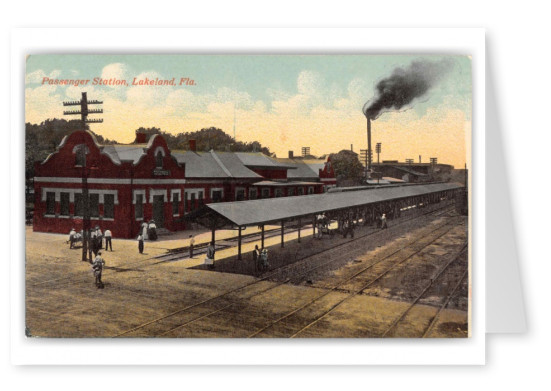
(271, 210)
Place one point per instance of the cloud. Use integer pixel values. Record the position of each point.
(42, 102)
(37, 76)
(117, 70)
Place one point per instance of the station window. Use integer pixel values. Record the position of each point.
(139, 206)
(278, 192)
(193, 204)
(50, 203)
(300, 191)
(109, 206)
(253, 193)
(265, 193)
(80, 156)
(216, 195)
(175, 202)
(64, 204)
(291, 191)
(79, 205)
(201, 198)
(240, 194)
(159, 160)
(94, 205)
(311, 190)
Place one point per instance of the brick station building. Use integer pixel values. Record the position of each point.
(132, 183)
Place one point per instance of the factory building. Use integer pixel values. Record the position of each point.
(132, 183)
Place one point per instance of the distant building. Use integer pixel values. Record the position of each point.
(132, 183)
(414, 172)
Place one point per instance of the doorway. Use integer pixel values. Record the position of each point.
(159, 210)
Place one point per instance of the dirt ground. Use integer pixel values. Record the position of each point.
(176, 297)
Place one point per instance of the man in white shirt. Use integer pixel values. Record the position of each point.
(108, 237)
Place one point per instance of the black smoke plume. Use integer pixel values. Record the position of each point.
(405, 85)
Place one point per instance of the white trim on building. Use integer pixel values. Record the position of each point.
(157, 192)
(72, 193)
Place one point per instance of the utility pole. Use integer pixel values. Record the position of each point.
(363, 157)
(81, 153)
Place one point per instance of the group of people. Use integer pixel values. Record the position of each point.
(95, 239)
(147, 231)
(260, 259)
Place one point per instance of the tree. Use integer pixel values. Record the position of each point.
(348, 169)
(206, 139)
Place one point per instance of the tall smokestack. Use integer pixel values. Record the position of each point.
(291, 154)
(368, 144)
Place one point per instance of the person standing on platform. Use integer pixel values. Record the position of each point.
(256, 256)
(99, 239)
(140, 243)
(383, 222)
(144, 231)
(210, 255)
(72, 237)
(93, 243)
(97, 268)
(108, 236)
(191, 245)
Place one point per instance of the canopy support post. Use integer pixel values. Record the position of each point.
(213, 233)
(282, 233)
(299, 224)
(262, 237)
(239, 244)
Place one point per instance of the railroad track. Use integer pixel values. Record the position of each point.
(355, 292)
(427, 287)
(294, 280)
(226, 295)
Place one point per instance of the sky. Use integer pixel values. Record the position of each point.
(286, 102)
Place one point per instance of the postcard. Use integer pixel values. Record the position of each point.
(248, 196)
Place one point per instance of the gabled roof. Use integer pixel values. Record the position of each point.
(124, 152)
(303, 168)
(213, 165)
(259, 160)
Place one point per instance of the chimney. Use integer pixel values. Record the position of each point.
(141, 138)
(419, 158)
(193, 145)
(290, 154)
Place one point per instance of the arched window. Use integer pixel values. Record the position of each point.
(80, 155)
(159, 159)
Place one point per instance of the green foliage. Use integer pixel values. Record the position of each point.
(206, 139)
(348, 169)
